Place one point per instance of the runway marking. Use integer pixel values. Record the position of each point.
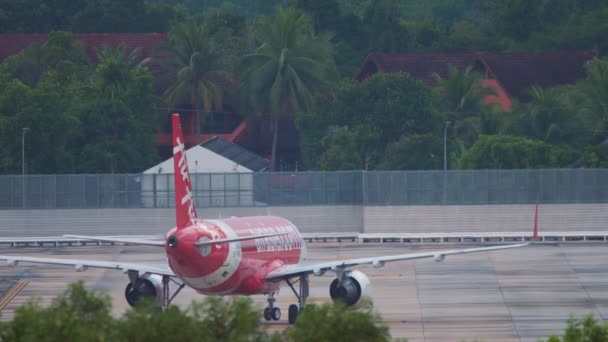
(12, 293)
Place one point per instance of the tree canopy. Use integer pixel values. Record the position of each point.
(289, 60)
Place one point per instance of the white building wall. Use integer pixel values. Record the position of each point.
(200, 160)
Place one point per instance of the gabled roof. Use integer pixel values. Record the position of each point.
(236, 153)
(419, 65)
(514, 71)
(518, 71)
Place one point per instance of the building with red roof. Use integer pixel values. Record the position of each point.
(510, 74)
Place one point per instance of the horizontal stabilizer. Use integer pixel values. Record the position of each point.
(244, 238)
(131, 241)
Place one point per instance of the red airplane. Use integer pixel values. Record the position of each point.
(236, 256)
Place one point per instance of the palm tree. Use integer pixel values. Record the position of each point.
(594, 91)
(198, 70)
(115, 64)
(462, 96)
(290, 65)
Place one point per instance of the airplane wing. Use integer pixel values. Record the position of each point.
(82, 265)
(288, 271)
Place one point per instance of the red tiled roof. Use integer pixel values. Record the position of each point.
(11, 44)
(419, 65)
(518, 71)
(513, 71)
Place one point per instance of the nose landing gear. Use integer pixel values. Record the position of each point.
(272, 312)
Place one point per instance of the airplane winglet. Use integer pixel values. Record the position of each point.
(535, 234)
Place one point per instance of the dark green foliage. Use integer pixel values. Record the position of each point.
(82, 315)
(336, 322)
(76, 315)
(509, 152)
(288, 68)
(586, 329)
(43, 16)
(80, 119)
(414, 152)
(363, 118)
(199, 69)
(86, 118)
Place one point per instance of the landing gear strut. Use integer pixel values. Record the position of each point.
(167, 298)
(271, 312)
(302, 294)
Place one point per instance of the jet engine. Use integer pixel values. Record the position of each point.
(352, 289)
(146, 286)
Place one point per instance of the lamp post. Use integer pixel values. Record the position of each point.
(23, 130)
(445, 158)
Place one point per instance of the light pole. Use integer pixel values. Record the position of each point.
(23, 130)
(445, 157)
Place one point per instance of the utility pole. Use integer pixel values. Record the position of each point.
(445, 158)
(23, 185)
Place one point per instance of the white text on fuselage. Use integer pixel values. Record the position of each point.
(183, 169)
(287, 241)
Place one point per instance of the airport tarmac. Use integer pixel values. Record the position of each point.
(510, 295)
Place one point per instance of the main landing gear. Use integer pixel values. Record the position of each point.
(167, 298)
(302, 294)
(272, 313)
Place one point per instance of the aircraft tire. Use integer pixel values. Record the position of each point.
(275, 313)
(267, 314)
(293, 313)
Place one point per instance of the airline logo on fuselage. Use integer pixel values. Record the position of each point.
(290, 240)
(183, 170)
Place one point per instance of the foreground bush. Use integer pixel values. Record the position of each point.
(82, 315)
(585, 329)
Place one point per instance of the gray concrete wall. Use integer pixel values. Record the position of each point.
(24, 223)
(310, 219)
(488, 218)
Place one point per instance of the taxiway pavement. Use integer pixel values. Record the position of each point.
(510, 295)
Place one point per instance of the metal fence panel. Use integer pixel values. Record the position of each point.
(308, 188)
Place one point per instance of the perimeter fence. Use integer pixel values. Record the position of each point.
(308, 188)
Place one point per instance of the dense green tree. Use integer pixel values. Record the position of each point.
(38, 16)
(550, 116)
(40, 93)
(347, 148)
(375, 113)
(385, 31)
(414, 152)
(288, 68)
(462, 100)
(44, 16)
(60, 51)
(199, 71)
(118, 118)
(594, 92)
(510, 152)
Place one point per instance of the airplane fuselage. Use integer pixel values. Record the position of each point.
(236, 267)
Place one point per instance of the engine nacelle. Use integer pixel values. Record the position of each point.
(352, 290)
(146, 286)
